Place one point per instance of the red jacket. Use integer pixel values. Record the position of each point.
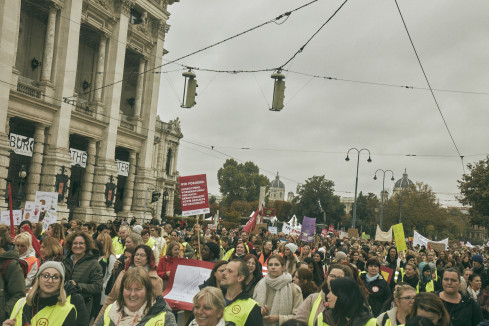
(166, 264)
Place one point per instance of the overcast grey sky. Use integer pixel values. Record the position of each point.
(322, 119)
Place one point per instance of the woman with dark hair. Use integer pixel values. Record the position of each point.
(355, 260)
(56, 231)
(410, 275)
(82, 267)
(238, 252)
(137, 303)
(379, 290)
(316, 269)
(255, 273)
(143, 257)
(347, 305)
(303, 278)
(474, 286)
(427, 304)
(216, 275)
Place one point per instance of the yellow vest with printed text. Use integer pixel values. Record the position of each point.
(56, 314)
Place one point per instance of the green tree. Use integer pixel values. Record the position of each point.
(474, 187)
(317, 190)
(177, 202)
(284, 209)
(367, 216)
(240, 182)
(421, 211)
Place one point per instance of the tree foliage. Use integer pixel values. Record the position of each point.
(283, 209)
(474, 187)
(316, 189)
(421, 211)
(240, 182)
(368, 208)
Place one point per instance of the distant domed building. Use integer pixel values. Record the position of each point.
(277, 190)
(290, 196)
(402, 183)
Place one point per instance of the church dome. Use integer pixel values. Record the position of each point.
(277, 183)
(404, 182)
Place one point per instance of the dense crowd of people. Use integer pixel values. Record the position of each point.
(115, 273)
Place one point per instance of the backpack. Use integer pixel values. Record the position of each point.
(23, 264)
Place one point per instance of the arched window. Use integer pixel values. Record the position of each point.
(168, 161)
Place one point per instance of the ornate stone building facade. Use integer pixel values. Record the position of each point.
(81, 78)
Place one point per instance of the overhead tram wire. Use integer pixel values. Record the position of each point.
(278, 18)
(429, 85)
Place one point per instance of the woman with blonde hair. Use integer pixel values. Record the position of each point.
(209, 307)
(403, 299)
(23, 243)
(108, 257)
(51, 250)
(48, 300)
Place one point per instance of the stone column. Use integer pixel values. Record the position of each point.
(87, 184)
(47, 60)
(9, 37)
(34, 174)
(99, 80)
(139, 88)
(129, 191)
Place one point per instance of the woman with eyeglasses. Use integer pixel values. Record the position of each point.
(48, 300)
(403, 299)
(255, 273)
(143, 257)
(82, 267)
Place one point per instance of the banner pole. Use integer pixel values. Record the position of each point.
(12, 229)
(198, 238)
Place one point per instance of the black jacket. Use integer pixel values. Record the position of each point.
(87, 273)
(359, 320)
(465, 313)
(379, 292)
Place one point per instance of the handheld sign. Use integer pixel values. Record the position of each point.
(193, 194)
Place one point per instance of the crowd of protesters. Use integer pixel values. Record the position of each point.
(115, 273)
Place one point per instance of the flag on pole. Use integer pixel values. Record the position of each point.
(250, 225)
(12, 229)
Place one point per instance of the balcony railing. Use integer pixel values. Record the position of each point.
(28, 90)
(124, 123)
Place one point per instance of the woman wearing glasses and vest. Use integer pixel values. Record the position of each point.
(48, 300)
(403, 299)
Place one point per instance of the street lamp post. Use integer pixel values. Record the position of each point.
(382, 195)
(356, 180)
(20, 193)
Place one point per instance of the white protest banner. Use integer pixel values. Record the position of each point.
(78, 157)
(21, 145)
(183, 285)
(49, 218)
(343, 234)
(48, 200)
(418, 239)
(32, 210)
(5, 217)
(122, 168)
(288, 229)
(273, 229)
(383, 236)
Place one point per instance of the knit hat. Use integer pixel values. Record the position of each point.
(292, 247)
(137, 229)
(478, 258)
(339, 256)
(52, 264)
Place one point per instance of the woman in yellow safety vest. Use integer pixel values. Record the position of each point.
(48, 300)
(137, 304)
(348, 305)
(404, 299)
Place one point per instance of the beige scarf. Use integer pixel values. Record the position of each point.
(283, 301)
(126, 317)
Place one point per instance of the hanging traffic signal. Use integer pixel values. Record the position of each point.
(278, 91)
(155, 196)
(190, 89)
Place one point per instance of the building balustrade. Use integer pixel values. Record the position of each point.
(28, 90)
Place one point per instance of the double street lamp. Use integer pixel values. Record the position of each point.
(356, 180)
(382, 195)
